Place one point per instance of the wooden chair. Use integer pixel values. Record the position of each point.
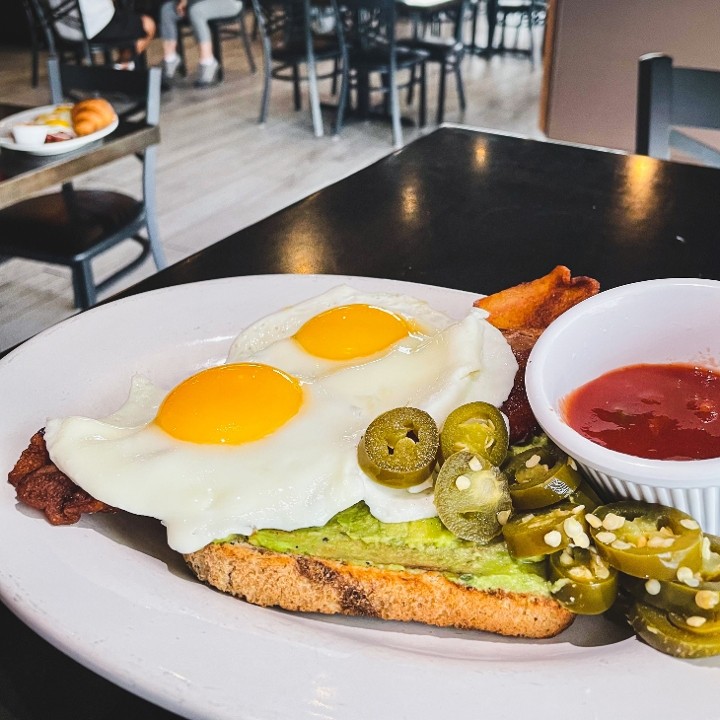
(290, 42)
(675, 96)
(447, 52)
(373, 50)
(72, 227)
(220, 29)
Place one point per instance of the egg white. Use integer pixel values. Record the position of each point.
(306, 471)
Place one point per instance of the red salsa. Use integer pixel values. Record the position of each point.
(660, 412)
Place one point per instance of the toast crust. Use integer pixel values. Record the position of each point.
(308, 584)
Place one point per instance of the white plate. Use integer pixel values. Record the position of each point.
(56, 148)
(110, 594)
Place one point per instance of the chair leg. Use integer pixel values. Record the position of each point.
(181, 54)
(344, 94)
(35, 60)
(532, 38)
(151, 223)
(267, 77)
(460, 86)
(363, 93)
(395, 109)
(297, 99)
(246, 44)
(411, 86)
(314, 96)
(441, 93)
(423, 95)
(83, 285)
(217, 48)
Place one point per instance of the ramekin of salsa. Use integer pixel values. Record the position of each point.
(670, 323)
(665, 411)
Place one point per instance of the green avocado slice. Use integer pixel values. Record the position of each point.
(354, 536)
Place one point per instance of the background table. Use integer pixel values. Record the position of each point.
(23, 174)
(479, 211)
(457, 208)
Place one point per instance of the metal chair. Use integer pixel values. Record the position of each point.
(514, 14)
(220, 29)
(291, 38)
(65, 37)
(370, 31)
(37, 41)
(447, 52)
(675, 96)
(72, 227)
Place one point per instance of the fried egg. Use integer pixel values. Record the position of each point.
(269, 438)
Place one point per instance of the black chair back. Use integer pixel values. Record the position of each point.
(37, 39)
(65, 34)
(370, 31)
(675, 96)
(133, 94)
(293, 35)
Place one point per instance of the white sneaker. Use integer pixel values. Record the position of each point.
(208, 74)
(170, 68)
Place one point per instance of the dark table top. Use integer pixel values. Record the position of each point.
(457, 208)
(477, 211)
(23, 174)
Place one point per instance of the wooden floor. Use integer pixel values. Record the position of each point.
(220, 171)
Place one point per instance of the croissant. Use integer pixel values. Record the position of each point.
(91, 115)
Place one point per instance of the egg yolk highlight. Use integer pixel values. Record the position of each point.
(351, 331)
(230, 404)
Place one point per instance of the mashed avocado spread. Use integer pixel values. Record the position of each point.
(354, 536)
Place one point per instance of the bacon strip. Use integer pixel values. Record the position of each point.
(39, 484)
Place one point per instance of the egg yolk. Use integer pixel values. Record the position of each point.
(351, 331)
(230, 404)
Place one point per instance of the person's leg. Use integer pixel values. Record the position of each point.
(199, 13)
(169, 35)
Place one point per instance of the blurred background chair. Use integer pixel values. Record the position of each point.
(446, 51)
(294, 36)
(220, 29)
(37, 41)
(516, 15)
(72, 227)
(671, 96)
(373, 52)
(68, 12)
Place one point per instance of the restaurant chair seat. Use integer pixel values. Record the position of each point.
(670, 96)
(73, 227)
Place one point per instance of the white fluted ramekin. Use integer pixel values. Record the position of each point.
(656, 321)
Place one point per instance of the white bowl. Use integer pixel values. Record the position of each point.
(30, 134)
(656, 321)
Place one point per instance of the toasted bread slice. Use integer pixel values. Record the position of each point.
(309, 584)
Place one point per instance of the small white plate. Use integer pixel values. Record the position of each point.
(112, 595)
(54, 148)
